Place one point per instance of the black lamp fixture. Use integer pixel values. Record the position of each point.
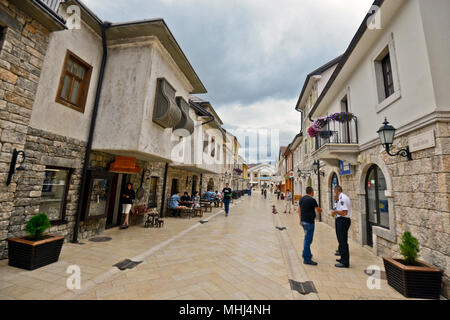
(12, 168)
(387, 134)
(303, 173)
(316, 168)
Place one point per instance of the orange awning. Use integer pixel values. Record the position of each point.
(125, 165)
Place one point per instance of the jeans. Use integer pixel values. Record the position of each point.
(309, 235)
(288, 205)
(226, 202)
(342, 227)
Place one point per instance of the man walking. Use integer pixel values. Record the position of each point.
(288, 201)
(307, 212)
(343, 214)
(227, 194)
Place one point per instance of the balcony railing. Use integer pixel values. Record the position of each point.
(336, 132)
(52, 4)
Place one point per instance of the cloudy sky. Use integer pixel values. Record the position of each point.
(252, 55)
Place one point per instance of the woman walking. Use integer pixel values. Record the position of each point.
(127, 202)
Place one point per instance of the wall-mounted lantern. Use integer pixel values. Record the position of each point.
(387, 135)
(12, 168)
(316, 168)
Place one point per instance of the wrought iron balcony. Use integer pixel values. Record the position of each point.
(338, 141)
(336, 132)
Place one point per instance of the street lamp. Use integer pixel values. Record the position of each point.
(387, 134)
(316, 168)
(12, 168)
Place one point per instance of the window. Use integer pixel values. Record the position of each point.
(377, 202)
(206, 143)
(54, 193)
(74, 83)
(334, 183)
(152, 199)
(213, 147)
(2, 36)
(387, 76)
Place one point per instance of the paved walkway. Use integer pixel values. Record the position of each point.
(240, 257)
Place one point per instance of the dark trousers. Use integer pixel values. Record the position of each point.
(342, 227)
(227, 201)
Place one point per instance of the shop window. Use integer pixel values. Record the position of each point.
(152, 198)
(334, 183)
(54, 193)
(99, 194)
(74, 82)
(377, 202)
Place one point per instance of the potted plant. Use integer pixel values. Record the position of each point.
(37, 249)
(411, 277)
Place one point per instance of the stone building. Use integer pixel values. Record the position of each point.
(25, 28)
(399, 71)
(94, 107)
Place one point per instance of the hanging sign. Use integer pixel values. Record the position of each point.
(345, 168)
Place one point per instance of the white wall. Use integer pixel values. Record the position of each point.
(49, 115)
(417, 98)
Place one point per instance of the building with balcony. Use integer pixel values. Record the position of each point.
(397, 71)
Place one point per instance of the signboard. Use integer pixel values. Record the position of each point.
(422, 141)
(345, 168)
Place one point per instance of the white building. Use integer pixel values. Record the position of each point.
(399, 71)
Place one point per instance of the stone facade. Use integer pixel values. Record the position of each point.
(22, 52)
(418, 195)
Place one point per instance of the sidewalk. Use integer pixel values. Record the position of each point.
(94, 259)
(333, 283)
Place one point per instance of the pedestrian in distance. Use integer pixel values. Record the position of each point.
(308, 208)
(265, 194)
(127, 202)
(343, 215)
(288, 201)
(227, 195)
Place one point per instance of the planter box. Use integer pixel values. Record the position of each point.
(31, 255)
(422, 281)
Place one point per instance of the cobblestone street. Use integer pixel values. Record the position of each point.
(240, 257)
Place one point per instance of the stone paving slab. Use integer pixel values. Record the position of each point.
(240, 257)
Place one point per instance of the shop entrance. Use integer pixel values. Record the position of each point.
(114, 217)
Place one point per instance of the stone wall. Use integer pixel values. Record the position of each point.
(420, 194)
(22, 52)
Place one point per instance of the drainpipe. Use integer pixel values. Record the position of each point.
(163, 200)
(82, 200)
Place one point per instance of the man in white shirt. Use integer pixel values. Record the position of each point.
(343, 215)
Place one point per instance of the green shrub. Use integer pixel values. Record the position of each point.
(37, 225)
(409, 248)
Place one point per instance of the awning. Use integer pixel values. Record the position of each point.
(125, 165)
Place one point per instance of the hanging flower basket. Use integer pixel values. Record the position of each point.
(321, 122)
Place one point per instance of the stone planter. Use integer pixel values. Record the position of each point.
(31, 255)
(423, 281)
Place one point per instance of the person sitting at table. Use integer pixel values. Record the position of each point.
(174, 201)
(186, 197)
(209, 196)
(196, 200)
(217, 198)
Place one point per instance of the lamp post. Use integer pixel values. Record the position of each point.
(387, 135)
(316, 169)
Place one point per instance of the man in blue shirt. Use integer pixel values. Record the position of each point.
(174, 201)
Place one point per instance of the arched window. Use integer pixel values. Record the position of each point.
(376, 200)
(309, 182)
(334, 183)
